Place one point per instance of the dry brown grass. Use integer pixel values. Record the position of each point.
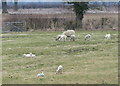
(100, 21)
(56, 21)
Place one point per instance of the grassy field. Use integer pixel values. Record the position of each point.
(84, 62)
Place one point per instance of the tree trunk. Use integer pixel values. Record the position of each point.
(79, 9)
(15, 5)
(79, 19)
(4, 6)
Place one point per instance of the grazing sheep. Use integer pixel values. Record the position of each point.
(88, 37)
(72, 37)
(61, 37)
(41, 74)
(68, 33)
(59, 69)
(107, 36)
(29, 55)
(58, 37)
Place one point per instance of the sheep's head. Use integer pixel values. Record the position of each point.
(57, 38)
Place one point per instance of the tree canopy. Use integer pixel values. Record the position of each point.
(79, 9)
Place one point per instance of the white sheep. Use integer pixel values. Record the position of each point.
(88, 37)
(61, 37)
(41, 74)
(29, 55)
(58, 37)
(68, 33)
(59, 69)
(107, 36)
(72, 37)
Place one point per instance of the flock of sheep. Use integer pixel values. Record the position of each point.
(63, 37)
(71, 34)
(65, 34)
(58, 71)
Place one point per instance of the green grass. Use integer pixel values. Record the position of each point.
(84, 62)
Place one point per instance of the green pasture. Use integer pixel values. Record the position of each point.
(84, 62)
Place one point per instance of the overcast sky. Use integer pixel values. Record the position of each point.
(36, 0)
(59, 0)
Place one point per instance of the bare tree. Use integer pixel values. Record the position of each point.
(15, 5)
(4, 6)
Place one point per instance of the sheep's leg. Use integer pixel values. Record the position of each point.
(64, 39)
(60, 71)
(73, 39)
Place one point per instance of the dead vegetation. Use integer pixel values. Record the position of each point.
(100, 21)
(63, 20)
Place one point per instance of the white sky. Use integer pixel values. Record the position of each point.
(62, 0)
(36, 0)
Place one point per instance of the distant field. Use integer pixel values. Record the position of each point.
(52, 13)
(56, 19)
(84, 62)
(100, 21)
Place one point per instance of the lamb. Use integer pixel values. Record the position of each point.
(29, 55)
(107, 36)
(72, 37)
(61, 37)
(88, 37)
(58, 37)
(68, 33)
(59, 69)
(41, 74)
